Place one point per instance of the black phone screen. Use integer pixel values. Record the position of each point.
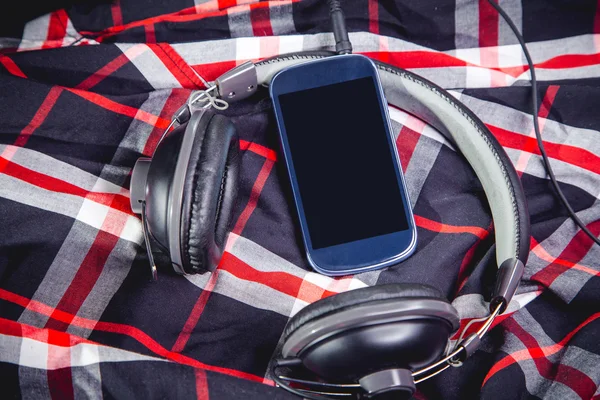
(343, 162)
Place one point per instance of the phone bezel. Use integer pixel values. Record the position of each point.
(364, 254)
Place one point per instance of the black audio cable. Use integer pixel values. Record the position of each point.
(338, 25)
(536, 126)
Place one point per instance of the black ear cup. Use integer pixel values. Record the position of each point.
(159, 185)
(355, 333)
(190, 189)
(209, 193)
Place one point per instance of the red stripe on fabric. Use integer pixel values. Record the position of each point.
(115, 11)
(468, 258)
(579, 382)
(281, 281)
(570, 154)
(180, 16)
(543, 112)
(212, 71)
(11, 66)
(174, 101)
(258, 149)
(538, 250)
(260, 17)
(201, 385)
(184, 80)
(488, 24)
(475, 326)
(577, 248)
(182, 64)
(60, 380)
(116, 201)
(60, 383)
(417, 59)
(11, 328)
(224, 4)
(122, 329)
(86, 277)
(527, 354)
(548, 100)
(103, 72)
(122, 109)
(57, 29)
(429, 59)
(40, 116)
(567, 61)
(150, 33)
(406, 143)
(177, 66)
(254, 195)
(197, 310)
(61, 339)
(435, 226)
(373, 16)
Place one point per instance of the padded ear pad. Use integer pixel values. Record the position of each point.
(341, 301)
(352, 334)
(209, 193)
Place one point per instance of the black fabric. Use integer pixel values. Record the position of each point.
(338, 302)
(209, 192)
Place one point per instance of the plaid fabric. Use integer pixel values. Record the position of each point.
(78, 316)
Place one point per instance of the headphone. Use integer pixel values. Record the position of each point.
(373, 342)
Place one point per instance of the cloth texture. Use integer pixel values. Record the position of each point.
(88, 89)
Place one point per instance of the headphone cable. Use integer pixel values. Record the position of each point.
(338, 25)
(536, 127)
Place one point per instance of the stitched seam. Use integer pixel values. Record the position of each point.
(178, 67)
(194, 185)
(220, 202)
(467, 117)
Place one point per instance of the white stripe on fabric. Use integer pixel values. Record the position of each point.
(404, 119)
(61, 272)
(251, 293)
(49, 166)
(33, 383)
(536, 384)
(115, 270)
(35, 33)
(506, 36)
(239, 21)
(247, 48)
(87, 382)
(151, 67)
(582, 360)
(474, 306)
(65, 204)
(34, 354)
(257, 294)
(466, 18)
(282, 18)
(262, 259)
(71, 34)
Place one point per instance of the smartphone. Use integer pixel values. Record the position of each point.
(343, 164)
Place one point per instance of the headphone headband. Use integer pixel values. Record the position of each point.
(435, 106)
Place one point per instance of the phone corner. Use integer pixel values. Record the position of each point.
(412, 247)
